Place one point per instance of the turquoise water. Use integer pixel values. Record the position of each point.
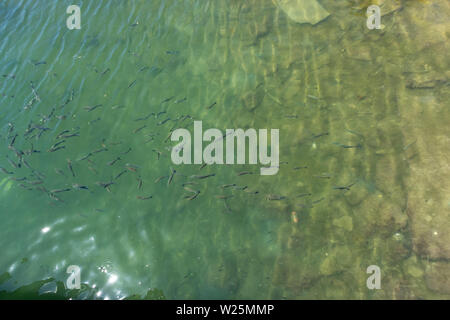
(356, 108)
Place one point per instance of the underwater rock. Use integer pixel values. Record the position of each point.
(426, 80)
(304, 11)
(252, 99)
(338, 259)
(428, 190)
(345, 222)
(377, 214)
(437, 277)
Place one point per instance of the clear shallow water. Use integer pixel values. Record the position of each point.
(325, 87)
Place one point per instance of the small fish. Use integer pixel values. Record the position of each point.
(344, 187)
(273, 197)
(159, 153)
(85, 157)
(160, 178)
(317, 201)
(244, 173)
(162, 122)
(124, 153)
(120, 174)
(60, 172)
(139, 129)
(168, 99)
(131, 167)
(211, 106)
(13, 164)
(303, 195)
(202, 177)
(53, 149)
(5, 171)
(172, 52)
(321, 135)
(39, 63)
(77, 186)
(131, 84)
(325, 176)
(60, 190)
(113, 161)
(298, 168)
(240, 188)
(69, 165)
(192, 197)
(89, 109)
(100, 150)
(13, 140)
(190, 190)
(228, 185)
(144, 198)
(181, 100)
(67, 136)
(105, 185)
(224, 197)
(140, 183)
(171, 176)
(105, 72)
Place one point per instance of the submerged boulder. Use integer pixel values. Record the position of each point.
(304, 11)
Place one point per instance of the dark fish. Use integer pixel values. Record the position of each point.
(168, 99)
(162, 122)
(244, 173)
(159, 153)
(228, 185)
(120, 174)
(304, 195)
(124, 153)
(171, 176)
(298, 168)
(321, 135)
(100, 150)
(105, 185)
(132, 84)
(67, 136)
(211, 106)
(139, 129)
(13, 140)
(192, 197)
(53, 149)
(77, 186)
(85, 157)
(60, 190)
(172, 52)
(69, 165)
(5, 171)
(89, 109)
(105, 72)
(39, 63)
(240, 188)
(344, 187)
(202, 177)
(113, 161)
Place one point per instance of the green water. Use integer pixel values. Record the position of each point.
(355, 107)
